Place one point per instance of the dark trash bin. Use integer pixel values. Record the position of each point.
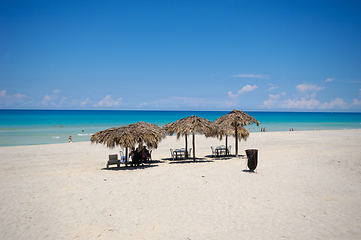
(252, 156)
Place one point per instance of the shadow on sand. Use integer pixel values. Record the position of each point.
(219, 157)
(225, 157)
(154, 163)
(190, 160)
(130, 168)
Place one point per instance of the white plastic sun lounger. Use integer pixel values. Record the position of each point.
(113, 159)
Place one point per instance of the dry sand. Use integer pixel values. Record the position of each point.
(307, 186)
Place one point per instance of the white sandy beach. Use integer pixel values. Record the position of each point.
(307, 186)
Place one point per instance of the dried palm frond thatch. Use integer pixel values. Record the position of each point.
(129, 136)
(225, 130)
(190, 125)
(232, 125)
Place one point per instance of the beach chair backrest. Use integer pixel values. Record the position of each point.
(171, 153)
(113, 157)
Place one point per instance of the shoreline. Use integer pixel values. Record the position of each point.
(306, 186)
(251, 133)
(21, 128)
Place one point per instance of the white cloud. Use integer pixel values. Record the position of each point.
(9, 99)
(143, 104)
(329, 79)
(85, 102)
(338, 103)
(246, 88)
(273, 87)
(277, 96)
(308, 87)
(313, 95)
(268, 104)
(15, 97)
(356, 102)
(231, 95)
(228, 104)
(273, 100)
(62, 100)
(19, 96)
(108, 102)
(249, 76)
(49, 98)
(304, 103)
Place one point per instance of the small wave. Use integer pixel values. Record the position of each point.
(84, 134)
(56, 137)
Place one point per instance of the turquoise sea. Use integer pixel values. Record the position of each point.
(31, 127)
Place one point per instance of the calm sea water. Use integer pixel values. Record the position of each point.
(31, 127)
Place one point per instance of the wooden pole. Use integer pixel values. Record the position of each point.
(236, 142)
(226, 146)
(126, 157)
(186, 153)
(194, 148)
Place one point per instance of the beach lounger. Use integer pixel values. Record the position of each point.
(113, 159)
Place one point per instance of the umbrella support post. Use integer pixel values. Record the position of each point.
(126, 157)
(227, 147)
(194, 148)
(236, 143)
(186, 152)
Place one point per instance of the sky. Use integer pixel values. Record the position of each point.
(181, 55)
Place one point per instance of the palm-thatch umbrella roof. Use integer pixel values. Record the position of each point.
(224, 130)
(232, 124)
(190, 125)
(129, 136)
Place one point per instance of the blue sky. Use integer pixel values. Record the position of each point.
(181, 55)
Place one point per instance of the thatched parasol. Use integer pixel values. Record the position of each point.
(232, 124)
(226, 130)
(129, 136)
(188, 125)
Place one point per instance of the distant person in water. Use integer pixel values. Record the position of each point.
(69, 139)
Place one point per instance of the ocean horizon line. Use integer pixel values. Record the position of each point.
(169, 110)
